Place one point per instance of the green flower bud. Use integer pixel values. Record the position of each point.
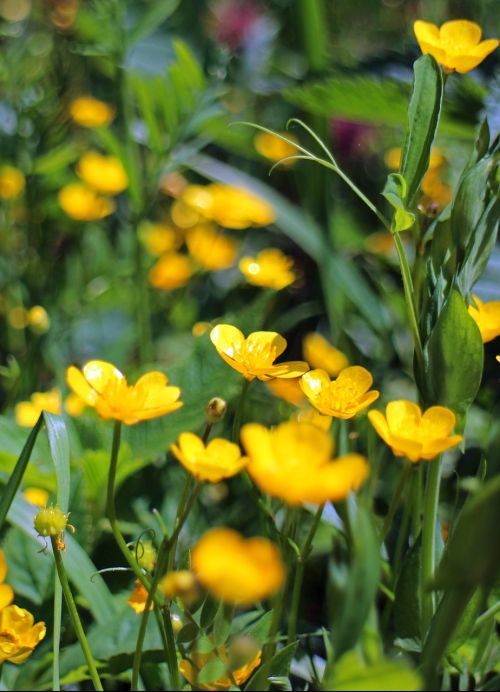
(50, 521)
(146, 555)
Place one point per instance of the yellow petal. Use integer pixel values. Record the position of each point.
(226, 339)
(465, 63)
(6, 595)
(485, 47)
(290, 369)
(357, 378)
(435, 447)
(256, 440)
(400, 414)
(426, 32)
(267, 345)
(441, 419)
(313, 382)
(460, 33)
(3, 566)
(335, 481)
(379, 422)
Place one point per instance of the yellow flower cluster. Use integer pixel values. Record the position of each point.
(271, 268)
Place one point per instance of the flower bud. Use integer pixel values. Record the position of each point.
(146, 555)
(215, 410)
(50, 521)
(180, 584)
(177, 623)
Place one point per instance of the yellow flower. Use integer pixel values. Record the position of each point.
(212, 250)
(38, 319)
(190, 669)
(412, 434)
(273, 148)
(28, 412)
(179, 584)
(392, 158)
(288, 390)
(341, 398)
(271, 269)
(18, 317)
(487, 318)
(200, 328)
(310, 415)
(235, 569)
(103, 173)
(83, 204)
(6, 592)
(183, 215)
(18, 634)
(90, 112)
(172, 271)
(159, 238)
(74, 405)
(209, 462)
(255, 355)
(456, 45)
(294, 463)
(37, 496)
(320, 353)
(228, 206)
(436, 193)
(105, 388)
(138, 597)
(12, 182)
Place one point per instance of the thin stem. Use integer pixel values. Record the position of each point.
(180, 511)
(396, 499)
(416, 501)
(68, 596)
(238, 416)
(270, 648)
(431, 503)
(487, 615)
(181, 522)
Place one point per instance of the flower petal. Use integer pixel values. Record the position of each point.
(6, 595)
(356, 377)
(77, 382)
(461, 33)
(100, 373)
(291, 369)
(377, 419)
(263, 343)
(426, 32)
(226, 339)
(400, 414)
(314, 382)
(441, 419)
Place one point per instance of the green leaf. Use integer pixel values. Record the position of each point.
(30, 572)
(188, 633)
(17, 475)
(395, 193)
(407, 594)
(151, 20)
(208, 612)
(59, 449)
(222, 624)
(212, 671)
(56, 159)
(279, 667)
(423, 119)
(351, 673)
(454, 358)
(471, 556)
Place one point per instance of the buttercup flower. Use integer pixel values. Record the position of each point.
(487, 318)
(104, 174)
(273, 148)
(235, 569)
(308, 414)
(37, 496)
(179, 584)
(392, 158)
(12, 182)
(271, 269)
(172, 271)
(102, 386)
(230, 207)
(50, 521)
(159, 238)
(18, 634)
(341, 398)
(414, 435)
(456, 45)
(200, 328)
(28, 412)
(190, 669)
(255, 355)
(212, 250)
(320, 353)
(6, 592)
(288, 390)
(90, 112)
(211, 462)
(38, 319)
(84, 204)
(74, 405)
(183, 215)
(138, 597)
(294, 462)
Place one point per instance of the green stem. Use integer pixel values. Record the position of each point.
(416, 501)
(68, 596)
(238, 416)
(431, 503)
(181, 508)
(487, 615)
(168, 641)
(270, 647)
(396, 499)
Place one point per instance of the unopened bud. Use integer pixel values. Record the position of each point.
(181, 584)
(50, 521)
(216, 410)
(146, 555)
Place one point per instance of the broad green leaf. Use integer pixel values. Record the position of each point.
(211, 672)
(59, 449)
(423, 119)
(454, 358)
(406, 607)
(222, 624)
(395, 192)
(351, 673)
(279, 667)
(30, 572)
(151, 20)
(208, 612)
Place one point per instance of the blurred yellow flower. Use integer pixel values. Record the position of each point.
(270, 268)
(414, 435)
(159, 238)
(183, 215)
(38, 319)
(381, 243)
(274, 148)
(172, 271)
(102, 386)
(208, 462)
(487, 318)
(138, 597)
(105, 174)
(18, 634)
(255, 355)
(436, 193)
(456, 45)
(179, 584)
(88, 111)
(6, 592)
(309, 414)
(320, 353)
(293, 462)
(37, 496)
(211, 250)
(200, 328)
(12, 182)
(288, 390)
(341, 398)
(74, 405)
(28, 412)
(191, 668)
(392, 158)
(228, 206)
(235, 569)
(84, 204)
(18, 317)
